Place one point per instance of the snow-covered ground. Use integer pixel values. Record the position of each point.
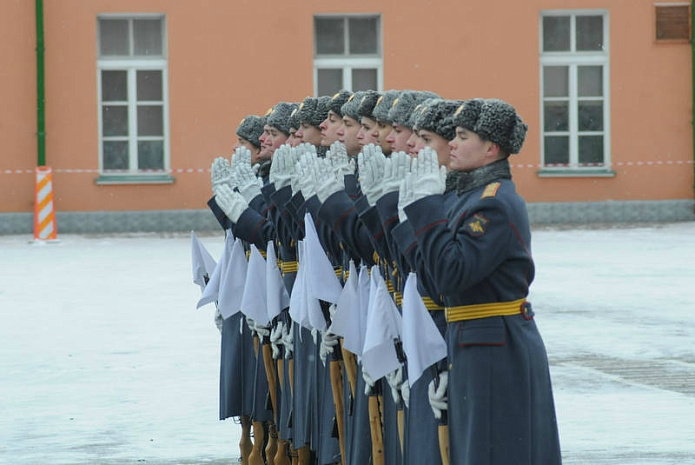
(105, 360)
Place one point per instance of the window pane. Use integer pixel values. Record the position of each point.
(113, 37)
(589, 33)
(363, 79)
(150, 120)
(150, 155)
(556, 33)
(590, 115)
(557, 150)
(114, 86)
(115, 155)
(114, 120)
(591, 149)
(149, 85)
(672, 22)
(555, 81)
(147, 35)
(590, 81)
(329, 36)
(363, 35)
(330, 81)
(556, 116)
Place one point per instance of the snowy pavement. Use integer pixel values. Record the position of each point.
(105, 360)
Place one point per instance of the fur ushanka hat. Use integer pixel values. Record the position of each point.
(251, 129)
(493, 120)
(279, 116)
(403, 106)
(437, 115)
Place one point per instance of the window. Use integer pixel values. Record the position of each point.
(133, 103)
(574, 90)
(347, 54)
(672, 22)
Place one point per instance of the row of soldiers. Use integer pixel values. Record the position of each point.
(394, 183)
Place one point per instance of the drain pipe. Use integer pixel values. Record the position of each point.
(40, 87)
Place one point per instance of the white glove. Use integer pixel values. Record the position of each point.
(251, 324)
(438, 399)
(328, 341)
(242, 156)
(405, 196)
(276, 339)
(395, 380)
(220, 173)
(341, 163)
(371, 163)
(281, 167)
(326, 182)
(297, 154)
(305, 176)
(262, 331)
(368, 382)
(219, 321)
(249, 184)
(232, 203)
(395, 168)
(288, 340)
(430, 178)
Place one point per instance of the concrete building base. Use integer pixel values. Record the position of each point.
(661, 211)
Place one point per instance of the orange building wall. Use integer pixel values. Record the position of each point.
(229, 59)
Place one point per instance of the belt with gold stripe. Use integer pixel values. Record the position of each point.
(262, 252)
(431, 304)
(289, 267)
(472, 312)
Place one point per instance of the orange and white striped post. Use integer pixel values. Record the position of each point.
(44, 215)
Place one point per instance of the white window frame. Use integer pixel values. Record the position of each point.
(349, 62)
(132, 65)
(573, 59)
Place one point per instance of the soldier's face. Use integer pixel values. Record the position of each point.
(255, 151)
(414, 144)
(398, 138)
(368, 133)
(384, 130)
(347, 134)
(436, 143)
(329, 128)
(271, 139)
(309, 134)
(293, 140)
(468, 151)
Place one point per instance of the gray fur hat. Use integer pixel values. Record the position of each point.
(437, 115)
(338, 100)
(279, 116)
(493, 120)
(293, 122)
(383, 105)
(350, 107)
(251, 128)
(367, 103)
(313, 110)
(403, 106)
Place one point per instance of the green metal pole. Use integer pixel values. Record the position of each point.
(692, 66)
(40, 88)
